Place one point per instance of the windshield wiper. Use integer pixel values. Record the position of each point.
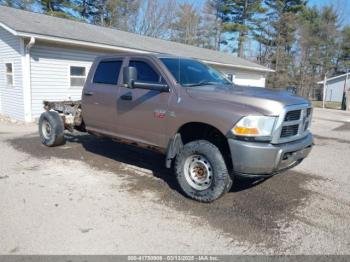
(202, 83)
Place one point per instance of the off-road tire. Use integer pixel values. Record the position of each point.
(52, 121)
(221, 180)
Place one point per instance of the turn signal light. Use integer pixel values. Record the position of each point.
(245, 131)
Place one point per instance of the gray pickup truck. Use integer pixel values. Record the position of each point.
(208, 129)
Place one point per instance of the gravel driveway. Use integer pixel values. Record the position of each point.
(94, 196)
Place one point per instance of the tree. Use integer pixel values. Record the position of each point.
(60, 8)
(277, 33)
(212, 24)
(122, 14)
(344, 57)
(241, 16)
(309, 44)
(186, 27)
(87, 10)
(318, 43)
(329, 36)
(155, 18)
(26, 4)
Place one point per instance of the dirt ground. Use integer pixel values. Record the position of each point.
(94, 196)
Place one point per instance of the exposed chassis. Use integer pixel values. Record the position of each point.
(69, 111)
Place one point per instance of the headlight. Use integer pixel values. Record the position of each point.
(255, 126)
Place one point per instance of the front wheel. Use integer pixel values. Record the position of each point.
(51, 129)
(201, 171)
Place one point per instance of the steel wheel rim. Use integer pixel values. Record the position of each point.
(46, 129)
(198, 172)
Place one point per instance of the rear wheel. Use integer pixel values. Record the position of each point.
(51, 129)
(201, 171)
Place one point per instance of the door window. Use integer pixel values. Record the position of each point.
(145, 72)
(107, 72)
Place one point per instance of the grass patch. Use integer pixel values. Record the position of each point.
(329, 105)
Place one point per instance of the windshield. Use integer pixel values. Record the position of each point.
(189, 72)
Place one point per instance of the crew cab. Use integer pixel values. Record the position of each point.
(208, 129)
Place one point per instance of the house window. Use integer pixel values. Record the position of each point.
(9, 74)
(77, 76)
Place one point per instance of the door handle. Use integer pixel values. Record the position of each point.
(127, 97)
(87, 93)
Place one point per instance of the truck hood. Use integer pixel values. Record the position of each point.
(265, 101)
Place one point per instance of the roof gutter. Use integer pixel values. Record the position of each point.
(79, 42)
(333, 78)
(30, 44)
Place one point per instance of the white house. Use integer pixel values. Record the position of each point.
(335, 87)
(47, 58)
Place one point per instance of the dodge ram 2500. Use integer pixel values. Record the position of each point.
(208, 129)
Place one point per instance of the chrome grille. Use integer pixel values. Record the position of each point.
(288, 131)
(293, 115)
(293, 124)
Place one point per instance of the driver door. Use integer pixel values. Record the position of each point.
(142, 113)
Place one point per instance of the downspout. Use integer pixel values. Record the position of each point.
(27, 86)
(30, 44)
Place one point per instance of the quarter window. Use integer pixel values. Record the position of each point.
(77, 76)
(9, 74)
(107, 72)
(145, 72)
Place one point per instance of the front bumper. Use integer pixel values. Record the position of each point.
(253, 158)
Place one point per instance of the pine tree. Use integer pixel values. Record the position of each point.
(241, 16)
(60, 8)
(277, 33)
(344, 57)
(26, 4)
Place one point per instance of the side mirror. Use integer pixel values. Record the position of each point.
(130, 81)
(129, 76)
(151, 86)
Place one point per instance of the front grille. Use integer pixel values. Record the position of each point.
(288, 131)
(292, 115)
(294, 125)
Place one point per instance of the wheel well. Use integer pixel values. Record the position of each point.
(200, 131)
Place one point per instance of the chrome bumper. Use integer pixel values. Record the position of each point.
(253, 158)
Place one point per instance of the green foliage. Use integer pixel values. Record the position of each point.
(26, 4)
(59, 8)
(276, 33)
(344, 58)
(241, 17)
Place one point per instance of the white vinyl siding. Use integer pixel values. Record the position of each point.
(335, 89)
(51, 73)
(11, 96)
(244, 77)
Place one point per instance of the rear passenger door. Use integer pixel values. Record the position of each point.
(142, 113)
(99, 101)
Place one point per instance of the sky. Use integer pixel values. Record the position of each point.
(342, 6)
